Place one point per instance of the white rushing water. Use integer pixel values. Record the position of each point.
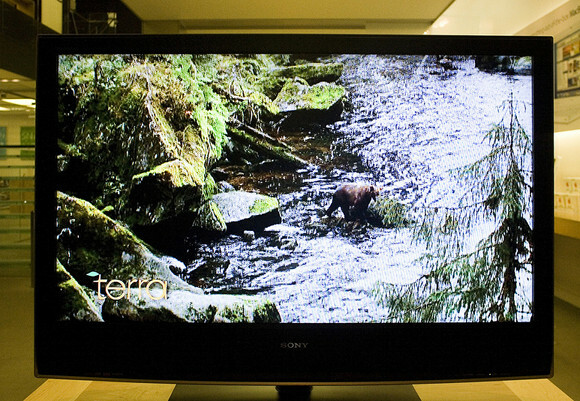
(406, 126)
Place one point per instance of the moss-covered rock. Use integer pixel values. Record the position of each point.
(166, 192)
(247, 211)
(264, 204)
(262, 100)
(209, 218)
(164, 204)
(303, 104)
(73, 301)
(89, 241)
(242, 82)
(184, 306)
(125, 116)
(272, 82)
(299, 95)
(96, 251)
(313, 73)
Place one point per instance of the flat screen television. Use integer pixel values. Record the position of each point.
(294, 209)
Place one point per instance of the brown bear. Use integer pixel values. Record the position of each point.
(353, 200)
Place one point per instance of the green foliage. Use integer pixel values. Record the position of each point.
(475, 282)
(240, 80)
(266, 312)
(197, 314)
(125, 115)
(394, 214)
(235, 313)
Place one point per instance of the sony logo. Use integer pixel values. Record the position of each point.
(294, 345)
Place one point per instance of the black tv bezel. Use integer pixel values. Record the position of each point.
(252, 353)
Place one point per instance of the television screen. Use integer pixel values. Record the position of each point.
(262, 201)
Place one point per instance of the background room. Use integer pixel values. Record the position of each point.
(22, 20)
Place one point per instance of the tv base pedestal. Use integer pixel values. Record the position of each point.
(512, 390)
(295, 393)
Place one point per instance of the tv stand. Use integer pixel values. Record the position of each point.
(75, 390)
(295, 393)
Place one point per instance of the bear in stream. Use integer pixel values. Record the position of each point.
(353, 200)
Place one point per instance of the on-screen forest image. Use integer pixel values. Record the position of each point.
(294, 188)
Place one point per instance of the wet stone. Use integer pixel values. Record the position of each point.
(246, 211)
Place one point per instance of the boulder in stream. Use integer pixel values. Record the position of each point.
(165, 192)
(247, 211)
(313, 73)
(303, 104)
(164, 203)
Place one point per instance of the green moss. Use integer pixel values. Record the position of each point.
(96, 241)
(212, 131)
(209, 217)
(74, 303)
(267, 312)
(299, 95)
(176, 172)
(235, 314)
(210, 187)
(256, 311)
(321, 97)
(163, 126)
(264, 101)
(270, 85)
(264, 205)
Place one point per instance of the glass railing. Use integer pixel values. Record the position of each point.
(16, 208)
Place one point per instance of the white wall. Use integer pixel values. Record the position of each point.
(547, 17)
(567, 155)
(491, 17)
(52, 14)
(13, 122)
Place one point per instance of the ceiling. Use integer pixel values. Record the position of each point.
(14, 87)
(387, 16)
(306, 16)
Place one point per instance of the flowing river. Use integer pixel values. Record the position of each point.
(406, 123)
